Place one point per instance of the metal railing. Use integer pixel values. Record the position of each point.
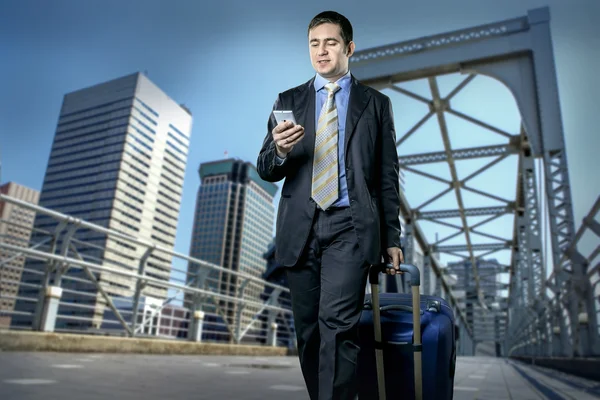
(79, 277)
(539, 333)
(84, 278)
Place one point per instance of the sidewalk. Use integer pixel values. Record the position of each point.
(498, 379)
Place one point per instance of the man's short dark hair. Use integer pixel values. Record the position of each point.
(333, 17)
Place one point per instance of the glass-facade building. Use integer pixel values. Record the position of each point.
(118, 160)
(483, 322)
(233, 227)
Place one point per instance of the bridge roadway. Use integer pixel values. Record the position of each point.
(66, 376)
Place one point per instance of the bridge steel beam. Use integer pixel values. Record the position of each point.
(517, 52)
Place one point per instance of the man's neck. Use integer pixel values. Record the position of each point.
(337, 78)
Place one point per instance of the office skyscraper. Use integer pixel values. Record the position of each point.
(489, 271)
(118, 160)
(15, 229)
(233, 227)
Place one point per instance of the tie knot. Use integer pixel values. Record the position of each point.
(332, 87)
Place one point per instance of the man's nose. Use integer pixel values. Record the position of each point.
(322, 50)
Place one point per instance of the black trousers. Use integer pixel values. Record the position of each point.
(327, 287)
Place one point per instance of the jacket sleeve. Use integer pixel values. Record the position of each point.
(269, 166)
(389, 175)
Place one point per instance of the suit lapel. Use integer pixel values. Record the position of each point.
(356, 105)
(304, 109)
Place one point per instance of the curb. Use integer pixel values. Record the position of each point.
(73, 343)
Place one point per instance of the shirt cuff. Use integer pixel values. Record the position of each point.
(279, 160)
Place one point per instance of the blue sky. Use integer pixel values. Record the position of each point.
(231, 58)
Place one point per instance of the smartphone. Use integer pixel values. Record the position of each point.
(281, 115)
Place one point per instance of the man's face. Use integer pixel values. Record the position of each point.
(328, 54)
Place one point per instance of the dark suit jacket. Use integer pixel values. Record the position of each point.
(371, 172)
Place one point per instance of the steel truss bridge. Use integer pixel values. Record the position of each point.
(549, 311)
(542, 303)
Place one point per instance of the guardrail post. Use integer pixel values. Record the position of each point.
(36, 323)
(272, 337)
(556, 341)
(51, 302)
(272, 315)
(582, 326)
(545, 349)
(139, 286)
(240, 309)
(592, 325)
(497, 344)
(46, 312)
(197, 299)
(197, 328)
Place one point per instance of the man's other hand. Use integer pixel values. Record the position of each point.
(395, 258)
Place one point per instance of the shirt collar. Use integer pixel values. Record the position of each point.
(344, 81)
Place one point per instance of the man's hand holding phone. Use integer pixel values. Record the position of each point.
(286, 134)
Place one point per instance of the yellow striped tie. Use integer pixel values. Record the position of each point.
(325, 162)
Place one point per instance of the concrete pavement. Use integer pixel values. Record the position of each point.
(66, 376)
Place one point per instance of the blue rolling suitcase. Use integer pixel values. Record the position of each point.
(391, 364)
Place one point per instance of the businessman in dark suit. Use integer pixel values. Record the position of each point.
(339, 206)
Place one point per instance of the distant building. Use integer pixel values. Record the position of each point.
(488, 271)
(464, 287)
(233, 226)
(118, 160)
(15, 229)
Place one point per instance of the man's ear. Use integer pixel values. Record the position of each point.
(350, 49)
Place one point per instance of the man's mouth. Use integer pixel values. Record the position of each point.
(321, 62)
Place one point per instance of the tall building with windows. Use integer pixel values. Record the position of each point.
(464, 289)
(233, 227)
(15, 228)
(118, 160)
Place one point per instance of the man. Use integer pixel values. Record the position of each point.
(339, 206)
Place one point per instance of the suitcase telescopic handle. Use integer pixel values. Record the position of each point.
(415, 275)
(415, 282)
